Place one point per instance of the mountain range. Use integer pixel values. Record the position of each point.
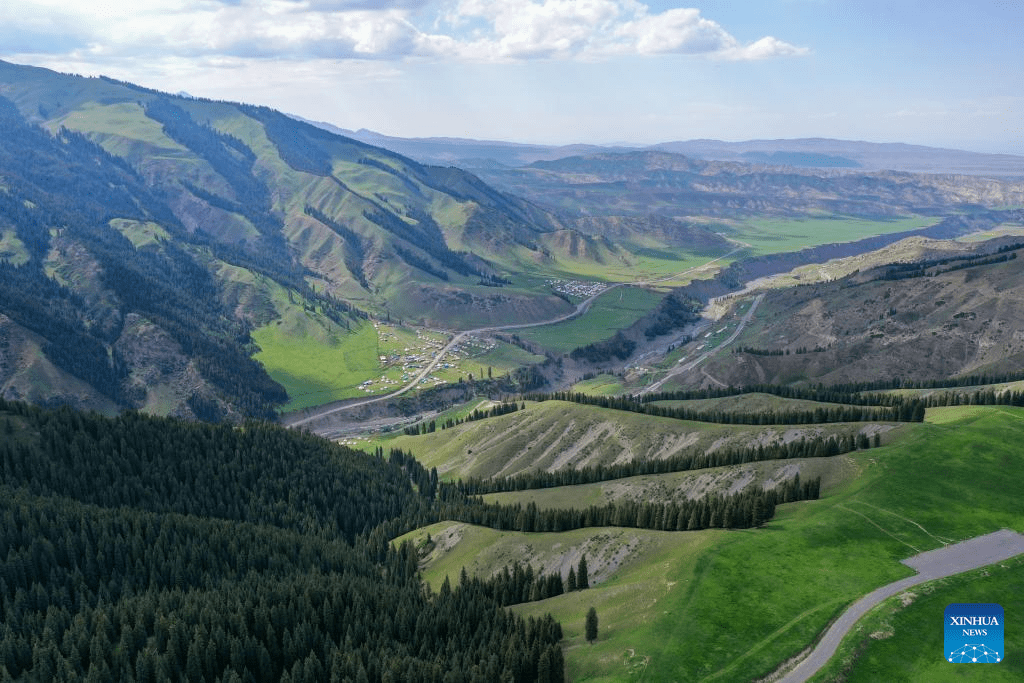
(152, 244)
(821, 153)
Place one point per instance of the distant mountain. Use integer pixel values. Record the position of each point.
(868, 156)
(666, 184)
(466, 153)
(820, 153)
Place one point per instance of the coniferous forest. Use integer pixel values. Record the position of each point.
(149, 549)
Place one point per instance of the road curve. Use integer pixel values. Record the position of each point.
(934, 564)
(704, 356)
(581, 308)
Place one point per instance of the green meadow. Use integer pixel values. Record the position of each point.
(774, 235)
(612, 311)
(312, 370)
(602, 385)
(733, 605)
(13, 249)
(902, 638)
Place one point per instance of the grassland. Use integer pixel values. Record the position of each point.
(612, 311)
(637, 263)
(140, 233)
(731, 606)
(312, 369)
(775, 235)
(602, 385)
(555, 434)
(12, 249)
(902, 640)
(747, 404)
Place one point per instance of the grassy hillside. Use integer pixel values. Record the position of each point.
(664, 488)
(960, 319)
(556, 434)
(898, 640)
(609, 313)
(732, 605)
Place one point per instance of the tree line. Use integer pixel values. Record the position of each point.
(519, 584)
(931, 268)
(745, 509)
(503, 408)
(893, 407)
(618, 346)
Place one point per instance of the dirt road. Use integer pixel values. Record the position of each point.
(679, 369)
(934, 564)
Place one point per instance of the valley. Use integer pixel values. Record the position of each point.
(248, 361)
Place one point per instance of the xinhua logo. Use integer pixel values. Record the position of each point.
(974, 633)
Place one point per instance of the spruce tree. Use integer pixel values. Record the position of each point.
(582, 580)
(591, 625)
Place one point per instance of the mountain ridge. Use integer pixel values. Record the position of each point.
(862, 155)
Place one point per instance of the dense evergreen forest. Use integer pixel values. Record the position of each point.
(141, 548)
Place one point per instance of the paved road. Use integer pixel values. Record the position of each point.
(934, 564)
(679, 369)
(317, 413)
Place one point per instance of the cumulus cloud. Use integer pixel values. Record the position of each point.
(595, 29)
(476, 30)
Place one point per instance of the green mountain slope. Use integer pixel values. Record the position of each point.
(558, 436)
(146, 237)
(953, 314)
(734, 605)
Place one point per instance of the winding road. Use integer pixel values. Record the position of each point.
(313, 414)
(679, 369)
(934, 564)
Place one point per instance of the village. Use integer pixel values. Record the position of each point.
(577, 288)
(404, 353)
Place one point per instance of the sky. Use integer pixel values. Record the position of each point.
(940, 73)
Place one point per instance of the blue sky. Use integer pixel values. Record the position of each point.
(562, 71)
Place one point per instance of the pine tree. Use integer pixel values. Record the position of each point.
(582, 580)
(591, 625)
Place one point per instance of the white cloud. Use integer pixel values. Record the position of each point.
(595, 29)
(764, 48)
(474, 30)
(676, 30)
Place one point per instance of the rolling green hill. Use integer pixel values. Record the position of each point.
(555, 435)
(732, 606)
(957, 317)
